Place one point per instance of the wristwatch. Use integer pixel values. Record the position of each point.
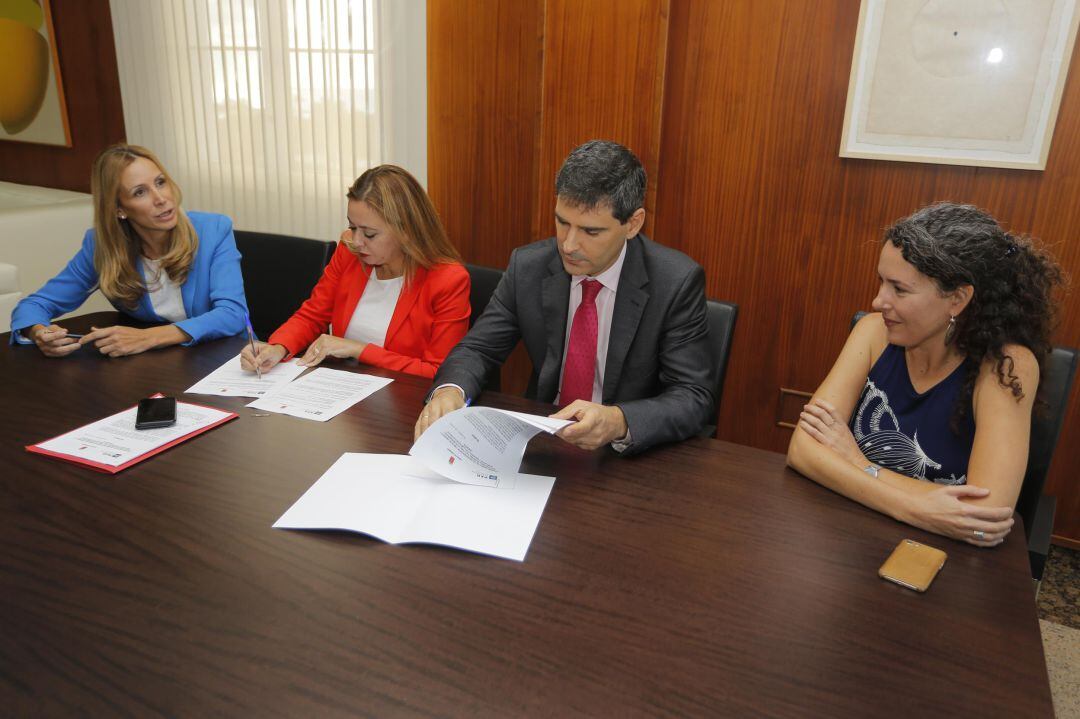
(872, 469)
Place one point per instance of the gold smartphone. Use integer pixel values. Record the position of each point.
(913, 565)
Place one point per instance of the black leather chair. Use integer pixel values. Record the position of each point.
(721, 317)
(483, 281)
(279, 274)
(1034, 507)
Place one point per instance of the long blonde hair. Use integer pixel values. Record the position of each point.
(402, 203)
(116, 245)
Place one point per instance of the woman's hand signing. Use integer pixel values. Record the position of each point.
(265, 356)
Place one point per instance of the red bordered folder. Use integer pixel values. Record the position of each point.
(110, 469)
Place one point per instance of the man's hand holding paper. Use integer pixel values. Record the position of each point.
(480, 445)
(591, 425)
(443, 401)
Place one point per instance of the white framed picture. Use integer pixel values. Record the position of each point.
(959, 82)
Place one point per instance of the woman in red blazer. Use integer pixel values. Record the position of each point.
(394, 295)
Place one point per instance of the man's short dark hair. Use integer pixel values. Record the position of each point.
(602, 172)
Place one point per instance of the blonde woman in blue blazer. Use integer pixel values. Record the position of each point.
(151, 260)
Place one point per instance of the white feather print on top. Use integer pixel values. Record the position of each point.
(887, 446)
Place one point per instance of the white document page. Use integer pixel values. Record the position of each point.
(229, 380)
(481, 445)
(397, 499)
(320, 395)
(548, 424)
(114, 440)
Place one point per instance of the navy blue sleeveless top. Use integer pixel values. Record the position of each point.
(907, 432)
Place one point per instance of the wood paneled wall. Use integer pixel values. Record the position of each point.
(736, 110)
(87, 54)
(484, 120)
(603, 77)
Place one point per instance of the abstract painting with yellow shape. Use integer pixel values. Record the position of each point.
(32, 105)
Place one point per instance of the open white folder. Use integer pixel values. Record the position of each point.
(492, 509)
(395, 498)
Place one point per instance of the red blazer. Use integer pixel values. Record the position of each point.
(431, 316)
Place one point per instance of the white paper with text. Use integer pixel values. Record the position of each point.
(321, 395)
(114, 441)
(229, 380)
(481, 445)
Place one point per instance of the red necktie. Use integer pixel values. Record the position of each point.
(579, 368)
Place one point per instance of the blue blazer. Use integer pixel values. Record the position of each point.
(213, 292)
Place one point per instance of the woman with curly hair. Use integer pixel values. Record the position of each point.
(926, 414)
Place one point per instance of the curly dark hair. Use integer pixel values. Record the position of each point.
(1014, 281)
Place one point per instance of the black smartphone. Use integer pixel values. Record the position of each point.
(156, 412)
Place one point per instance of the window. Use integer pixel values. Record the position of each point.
(267, 110)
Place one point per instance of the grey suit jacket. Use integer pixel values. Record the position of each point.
(658, 362)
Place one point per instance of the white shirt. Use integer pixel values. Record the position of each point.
(605, 308)
(165, 295)
(373, 312)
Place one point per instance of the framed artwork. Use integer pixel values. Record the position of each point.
(959, 82)
(32, 107)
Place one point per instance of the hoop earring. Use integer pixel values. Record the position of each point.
(950, 331)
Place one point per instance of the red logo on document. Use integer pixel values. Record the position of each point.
(451, 460)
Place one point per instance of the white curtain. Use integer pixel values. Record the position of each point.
(267, 110)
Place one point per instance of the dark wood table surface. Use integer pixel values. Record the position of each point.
(701, 579)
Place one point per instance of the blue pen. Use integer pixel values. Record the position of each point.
(468, 401)
(251, 340)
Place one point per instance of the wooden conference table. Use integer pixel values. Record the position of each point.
(699, 579)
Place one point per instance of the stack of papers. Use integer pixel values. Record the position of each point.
(113, 444)
(319, 395)
(397, 499)
(459, 487)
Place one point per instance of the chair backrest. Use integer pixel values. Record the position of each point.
(484, 281)
(1056, 381)
(279, 274)
(721, 318)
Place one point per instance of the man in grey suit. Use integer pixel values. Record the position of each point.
(614, 324)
